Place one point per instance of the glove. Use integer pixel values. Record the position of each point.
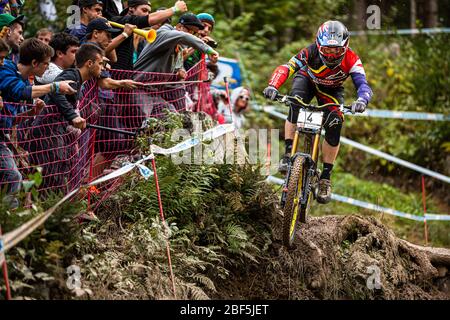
(359, 106)
(270, 93)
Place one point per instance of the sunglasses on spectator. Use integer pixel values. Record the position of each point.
(246, 98)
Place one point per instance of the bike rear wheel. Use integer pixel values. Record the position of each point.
(292, 208)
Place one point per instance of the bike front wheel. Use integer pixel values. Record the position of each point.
(292, 208)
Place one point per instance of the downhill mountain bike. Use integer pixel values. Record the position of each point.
(301, 182)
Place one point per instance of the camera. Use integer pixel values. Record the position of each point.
(212, 43)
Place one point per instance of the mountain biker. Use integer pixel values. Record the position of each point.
(320, 71)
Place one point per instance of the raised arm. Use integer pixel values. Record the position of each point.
(196, 43)
(161, 16)
(17, 88)
(111, 49)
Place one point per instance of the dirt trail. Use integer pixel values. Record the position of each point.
(336, 257)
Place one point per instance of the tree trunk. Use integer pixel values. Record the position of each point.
(413, 14)
(359, 17)
(431, 20)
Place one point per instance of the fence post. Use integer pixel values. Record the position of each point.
(5, 273)
(166, 227)
(91, 168)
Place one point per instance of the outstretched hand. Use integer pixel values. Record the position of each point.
(213, 56)
(130, 84)
(79, 123)
(66, 88)
(39, 104)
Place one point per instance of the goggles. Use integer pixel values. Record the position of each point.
(332, 51)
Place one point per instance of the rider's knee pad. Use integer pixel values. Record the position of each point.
(333, 126)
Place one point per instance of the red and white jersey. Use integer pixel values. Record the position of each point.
(309, 63)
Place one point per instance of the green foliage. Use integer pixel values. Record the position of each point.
(217, 218)
(37, 265)
(36, 21)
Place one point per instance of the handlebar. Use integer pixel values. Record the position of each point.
(297, 101)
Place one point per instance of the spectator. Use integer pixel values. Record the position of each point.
(191, 56)
(4, 50)
(90, 10)
(100, 35)
(12, 33)
(14, 79)
(4, 7)
(112, 8)
(165, 53)
(53, 137)
(11, 6)
(9, 174)
(64, 47)
(138, 14)
(44, 35)
(89, 65)
(208, 21)
(15, 87)
(99, 31)
(240, 98)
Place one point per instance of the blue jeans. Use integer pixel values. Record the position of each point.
(9, 174)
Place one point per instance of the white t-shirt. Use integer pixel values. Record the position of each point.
(50, 74)
(119, 5)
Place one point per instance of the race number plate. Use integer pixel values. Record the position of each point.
(309, 120)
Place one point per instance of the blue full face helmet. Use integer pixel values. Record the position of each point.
(332, 42)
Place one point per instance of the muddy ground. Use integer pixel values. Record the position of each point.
(342, 257)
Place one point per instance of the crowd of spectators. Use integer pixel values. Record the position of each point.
(53, 67)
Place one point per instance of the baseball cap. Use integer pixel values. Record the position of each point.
(134, 3)
(6, 20)
(190, 19)
(89, 3)
(100, 24)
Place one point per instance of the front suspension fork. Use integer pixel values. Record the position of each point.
(311, 157)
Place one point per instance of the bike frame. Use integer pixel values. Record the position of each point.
(311, 156)
(302, 176)
(310, 153)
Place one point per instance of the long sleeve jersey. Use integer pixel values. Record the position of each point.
(163, 54)
(308, 63)
(13, 88)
